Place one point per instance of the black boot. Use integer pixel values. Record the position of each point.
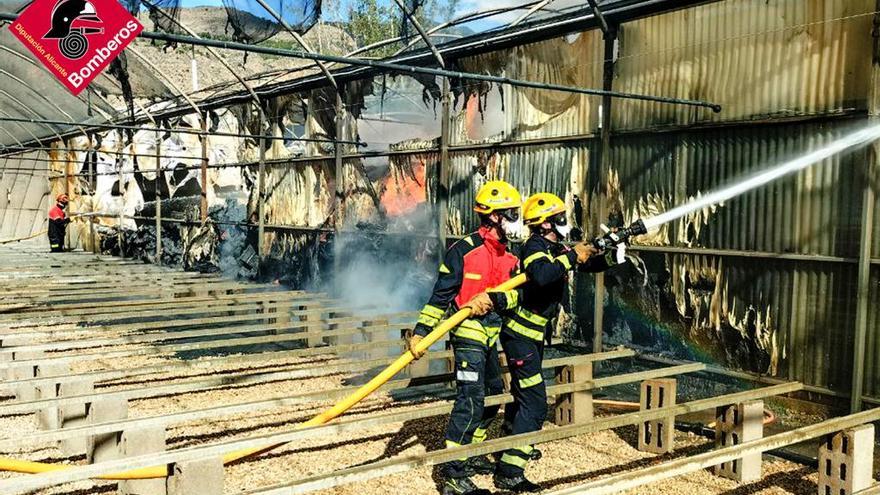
(535, 455)
(518, 484)
(479, 465)
(462, 486)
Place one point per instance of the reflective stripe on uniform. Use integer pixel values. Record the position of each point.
(473, 330)
(479, 435)
(532, 317)
(444, 268)
(450, 444)
(434, 311)
(563, 258)
(471, 334)
(429, 321)
(473, 276)
(527, 450)
(467, 376)
(525, 331)
(531, 381)
(468, 240)
(511, 299)
(514, 460)
(534, 257)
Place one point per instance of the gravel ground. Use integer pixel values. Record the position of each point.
(565, 463)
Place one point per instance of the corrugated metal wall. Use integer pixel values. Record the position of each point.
(757, 58)
(800, 313)
(560, 169)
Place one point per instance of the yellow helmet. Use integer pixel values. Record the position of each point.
(539, 207)
(496, 195)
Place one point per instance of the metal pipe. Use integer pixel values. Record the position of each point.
(412, 20)
(178, 130)
(26, 149)
(603, 24)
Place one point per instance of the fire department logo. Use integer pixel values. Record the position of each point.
(76, 39)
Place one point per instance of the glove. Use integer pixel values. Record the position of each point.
(480, 304)
(412, 340)
(584, 251)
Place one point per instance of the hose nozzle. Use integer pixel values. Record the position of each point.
(612, 239)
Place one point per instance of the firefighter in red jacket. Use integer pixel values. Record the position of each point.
(58, 221)
(546, 262)
(472, 265)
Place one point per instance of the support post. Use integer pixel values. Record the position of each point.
(443, 173)
(657, 436)
(734, 425)
(846, 461)
(121, 217)
(867, 230)
(93, 234)
(261, 194)
(67, 192)
(610, 56)
(204, 141)
(340, 172)
(160, 179)
(575, 407)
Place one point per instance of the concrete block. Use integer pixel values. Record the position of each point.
(202, 477)
(139, 442)
(734, 425)
(49, 418)
(576, 407)
(846, 461)
(24, 372)
(380, 349)
(105, 447)
(657, 436)
(74, 415)
(313, 324)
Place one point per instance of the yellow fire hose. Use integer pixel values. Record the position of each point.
(337, 410)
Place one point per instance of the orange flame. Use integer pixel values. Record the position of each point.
(404, 189)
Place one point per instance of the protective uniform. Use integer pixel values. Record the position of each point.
(472, 265)
(528, 327)
(58, 224)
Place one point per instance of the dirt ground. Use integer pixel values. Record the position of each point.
(565, 463)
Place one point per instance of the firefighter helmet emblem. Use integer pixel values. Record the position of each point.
(72, 21)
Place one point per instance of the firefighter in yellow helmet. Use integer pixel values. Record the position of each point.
(472, 265)
(527, 327)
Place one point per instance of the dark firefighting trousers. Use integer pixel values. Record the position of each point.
(524, 357)
(477, 374)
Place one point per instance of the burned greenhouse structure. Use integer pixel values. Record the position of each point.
(286, 173)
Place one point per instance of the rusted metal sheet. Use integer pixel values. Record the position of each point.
(756, 58)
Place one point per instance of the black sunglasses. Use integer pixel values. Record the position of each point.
(510, 214)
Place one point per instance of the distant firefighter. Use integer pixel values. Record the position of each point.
(58, 221)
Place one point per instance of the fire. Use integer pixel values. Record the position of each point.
(404, 188)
